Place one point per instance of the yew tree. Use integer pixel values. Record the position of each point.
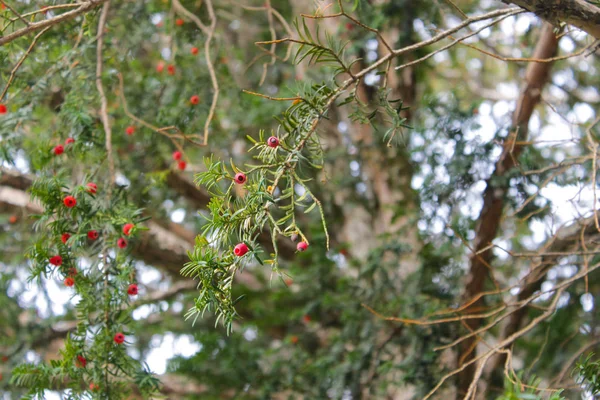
(292, 199)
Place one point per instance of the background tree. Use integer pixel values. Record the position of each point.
(281, 199)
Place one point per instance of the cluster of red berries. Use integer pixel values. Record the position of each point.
(177, 156)
(58, 149)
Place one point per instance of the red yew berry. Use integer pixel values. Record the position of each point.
(12, 219)
(3, 109)
(92, 188)
(69, 281)
(70, 141)
(130, 130)
(72, 271)
(93, 235)
(122, 243)
(294, 339)
(194, 99)
(171, 69)
(94, 387)
(194, 50)
(127, 229)
(240, 178)
(65, 237)
(56, 260)
(119, 338)
(70, 201)
(177, 155)
(80, 362)
(179, 22)
(302, 246)
(306, 318)
(240, 249)
(181, 165)
(132, 290)
(160, 67)
(58, 150)
(349, 26)
(4, 359)
(289, 282)
(273, 142)
(160, 24)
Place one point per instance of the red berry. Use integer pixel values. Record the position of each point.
(273, 142)
(119, 338)
(58, 150)
(194, 99)
(294, 339)
(122, 243)
(92, 188)
(302, 246)
(72, 271)
(306, 318)
(94, 387)
(81, 362)
(160, 24)
(127, 228)
(4, 358)
(349, 26)
(93, 235)
(56, 260)
(240, 249)
(130, 130)
(160, 67)
(65, 237)
(179, 22)
(70, 141)
(132, 290)
(177, 155)
(171, 69)
(194, 50)
(3, 109)
(70, 201)
(12, 219)
(69, 281)
(240, 178)
(181, 165)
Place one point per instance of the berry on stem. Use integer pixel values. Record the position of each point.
(12, 219)
(3, 109)
(302, 246)
(94, 387)
(64, 237)
(70, 141)
(132, 290)
(194, 99)
(181, 165)
(160, 67)
(80, 362)
(240, 249)
(179, 22)
(177, 155)
(240, 178)
(119, 338)
(92, 188)
(70, 201)
(69, 281)
(306, 318)
(171, 69)
(130, 130)
(273, 142)
(93, 235)
(56, 260)
(58, 150)
(127, 229)
(122, 243)
(194, 50)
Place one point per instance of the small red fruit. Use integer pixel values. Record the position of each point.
(132, 290)
(130, 130)
(273, 142)
(122, 243)
(306, 318)
(72, 271)
(294, 339)
(179, 22)
(93, 235)
(65, 237)
(4, 359)
(3, 109)
(289, 282)
(240, 249)
(349, 26)
(194, 50)
(12, 219)
(160, 24)
(58, 150)
(56, 260)
(119, 338)
(181, 165)
(94, 387)
(171, 69)
(92, 188)
(160, 67)
(302, 246)
(81, 362)
(70, 141)
(127, 228)
(177, 155)
(70, 201)
(194, 99)
(69, 281)
(240, 178)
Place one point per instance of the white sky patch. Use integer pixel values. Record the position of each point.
(178, 215)
(168, 346)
